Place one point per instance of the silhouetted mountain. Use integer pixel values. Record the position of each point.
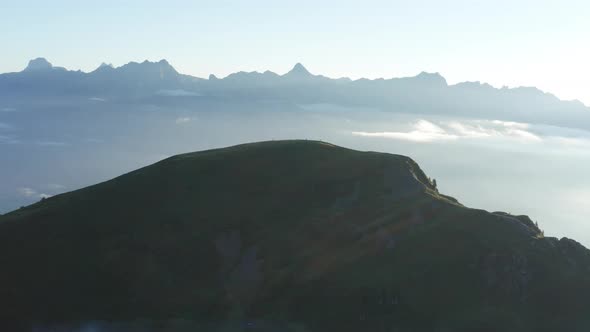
(38, 64)
(105, 65)
(136, 79)
(425, 93)
(104, 68)
(298, 72)
(431, 79)
(130, 81)
(286, 236)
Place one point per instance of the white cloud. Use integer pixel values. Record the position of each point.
(31, 193)
(8, 109)
(183, 120)
(425, 131)
(493, 129)
(523, 135)
(564, 137)
(470, 130)
(97, 99)
(5, 126)
(509, 124)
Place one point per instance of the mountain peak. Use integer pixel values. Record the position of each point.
(299, 70)
(166, 66)
(39, 64)
(162, 67)
(360, 216)
(105, 66)
(432, 77)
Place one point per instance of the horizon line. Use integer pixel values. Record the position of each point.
(293, 68)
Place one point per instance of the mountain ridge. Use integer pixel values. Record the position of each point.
(297, 69)
(280, 232)
(423, 94)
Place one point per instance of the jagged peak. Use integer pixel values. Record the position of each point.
(146, 65)
(162, 62)
(299, 70)
(105, 66)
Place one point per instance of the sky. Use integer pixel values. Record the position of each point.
(505, 43)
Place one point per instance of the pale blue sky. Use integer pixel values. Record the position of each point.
(532, 43)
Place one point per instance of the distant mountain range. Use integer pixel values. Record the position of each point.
(426, 93)
(284, 236)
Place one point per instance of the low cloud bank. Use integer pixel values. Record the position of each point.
(424, 131)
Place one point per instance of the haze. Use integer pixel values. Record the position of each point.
(512, 43)
(501, 149)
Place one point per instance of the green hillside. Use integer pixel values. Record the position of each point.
(286, 236)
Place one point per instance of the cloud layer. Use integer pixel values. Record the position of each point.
(424, 131)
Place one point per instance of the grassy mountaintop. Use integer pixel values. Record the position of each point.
(287, 236)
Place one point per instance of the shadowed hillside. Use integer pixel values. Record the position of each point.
(285, 236)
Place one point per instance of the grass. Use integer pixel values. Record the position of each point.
(311, 219)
